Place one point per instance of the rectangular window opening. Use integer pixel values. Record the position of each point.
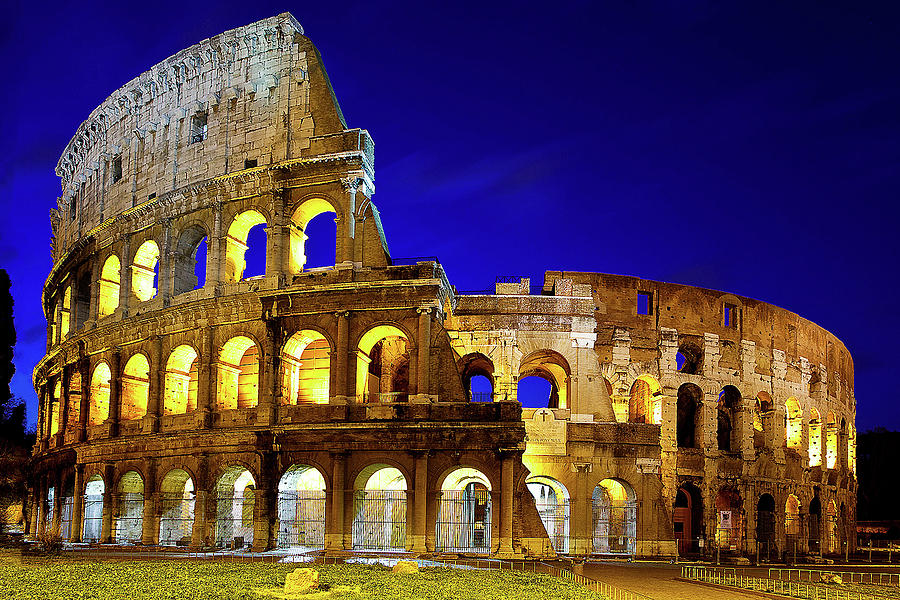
(730, 315)
(117, 168)
(72, 207)
(151, 196)
(250, 163)
(198, 127)
(644, 303)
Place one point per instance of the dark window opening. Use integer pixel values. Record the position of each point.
(730, 315)
(72, 205)
(249, 163)
(198, 128)
(689, 359)
(644, 303)
(151, 196)
(481, 388)
(321, 242)
(255, 256)
(116, 168)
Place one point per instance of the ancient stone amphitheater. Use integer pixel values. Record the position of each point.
(365, 404)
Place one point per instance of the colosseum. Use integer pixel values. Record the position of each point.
(366, 404)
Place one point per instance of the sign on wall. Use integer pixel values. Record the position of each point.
(545, 434)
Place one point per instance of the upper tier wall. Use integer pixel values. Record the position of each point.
(262, 89)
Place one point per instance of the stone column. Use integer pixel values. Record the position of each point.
(115, 386)
(341, 359)
(125, 276)
(42, 505)
(423, 367)
(94, 306)
(201, 499)
(77, 505)
(334, 510)
(166, 279)
(507, 463)
(84, 408)
(581, 531)
(349, 246)
(264, 503)
(56, 524)
(35, 509)
(106, 526)
(65, 378)
(149, 526)
(206, 379)
(215, 257)
(266, 409)
(277, 239)
(420, 503)
(155, 391)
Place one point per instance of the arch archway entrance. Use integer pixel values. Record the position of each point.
(301, 508)
(235, 502)
(765, 526)
(815, 526)
(130, 508)
(552, 501)
(93, 509)
(614, 512)
(379, 509)
(729, 520)
(688, 519)
(464, 515)
(176, 519)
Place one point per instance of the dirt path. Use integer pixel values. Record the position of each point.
(656, 581)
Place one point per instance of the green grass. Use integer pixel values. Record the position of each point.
(48, 579)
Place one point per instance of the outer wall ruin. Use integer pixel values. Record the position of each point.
(335, 407)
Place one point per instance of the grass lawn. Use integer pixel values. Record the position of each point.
(206, 580)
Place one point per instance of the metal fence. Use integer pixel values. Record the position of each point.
(129, 517)
(176, 520)
(797, 589)
(234, 520)
(464, 522)
(555, 517)
(615, 528)
(379, 521)
(817, 575)
(93, 518)
(301, 519)
(65, 517)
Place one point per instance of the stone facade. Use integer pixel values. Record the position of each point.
(332, 408)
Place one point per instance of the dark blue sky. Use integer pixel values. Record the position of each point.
(753, 147)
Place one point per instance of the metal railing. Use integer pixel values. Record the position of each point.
(819, 575)
(797, 589)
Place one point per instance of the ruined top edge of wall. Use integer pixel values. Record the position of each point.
(221, 50)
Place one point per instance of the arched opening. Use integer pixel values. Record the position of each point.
(379, 509)
(301, 508)
(235, 502)
(98, 411)
(794, 429)
(689, 359)
(49, 505)
(831, 528)
(815, 438)
(644, 402)
(552, 501)
(307, 368)
(792, 523)
(313, 240)
(765, 526)
(73, 411)
(614, 516)
(65, 313)
(245, 242)
(180, 394)
(762, 421)
(190, 274)
(238, 379)
(464, 513)
(108, 301)
(689, 422)
(688, 519)
(53, 425)
(851, 449)
(129, 502)
(67, 501)
(815, 525)
(831, 440)
(93, 509)
(382, 365)
(477, 372)
(176, 511)
(552, 368)
(729, 519)
(135, 388)
(727, 427)
(82, 299)
(145, 271)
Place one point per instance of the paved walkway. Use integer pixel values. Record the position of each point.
(656, 581)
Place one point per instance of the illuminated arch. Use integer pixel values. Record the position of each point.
(306, 212)
(98, 412)
(176, 499)
(464, 514)
(472, 366)
(553, 368)
(144, 271)
(65, 313)
(135, 388)
(614, 517)
(762, 420)
(794, 416)
(815, 438)
(382, 365)
(831, 440)
(644, 403)
(235, 502)
(379, 509)
(130, 514)
(108, 300)
(94, 490)
(551, 498)
(792, 516)
(185, 259)
(73, 412)
(238, 378)
(236, 243)
(306, 368)
(180, 394)
(301, 508)
(55, 411)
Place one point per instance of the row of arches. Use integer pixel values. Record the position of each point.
(244, 255)
(543, 379)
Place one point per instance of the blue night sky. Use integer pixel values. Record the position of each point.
(753, 148)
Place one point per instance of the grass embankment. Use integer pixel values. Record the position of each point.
(48, 579)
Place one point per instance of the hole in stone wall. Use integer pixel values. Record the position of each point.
(481, 388)
(256, 252)
(644, 303)
(250, 163)
(117, 168)
(321, 232)
(689, 359)
(534, 392)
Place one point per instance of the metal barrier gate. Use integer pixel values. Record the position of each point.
(176, 520)
(464, 522)
(379, 521)
(129, 517)
(555, 517)
(93, 518)
(615, 528)
(301, 519)
(234, 520)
